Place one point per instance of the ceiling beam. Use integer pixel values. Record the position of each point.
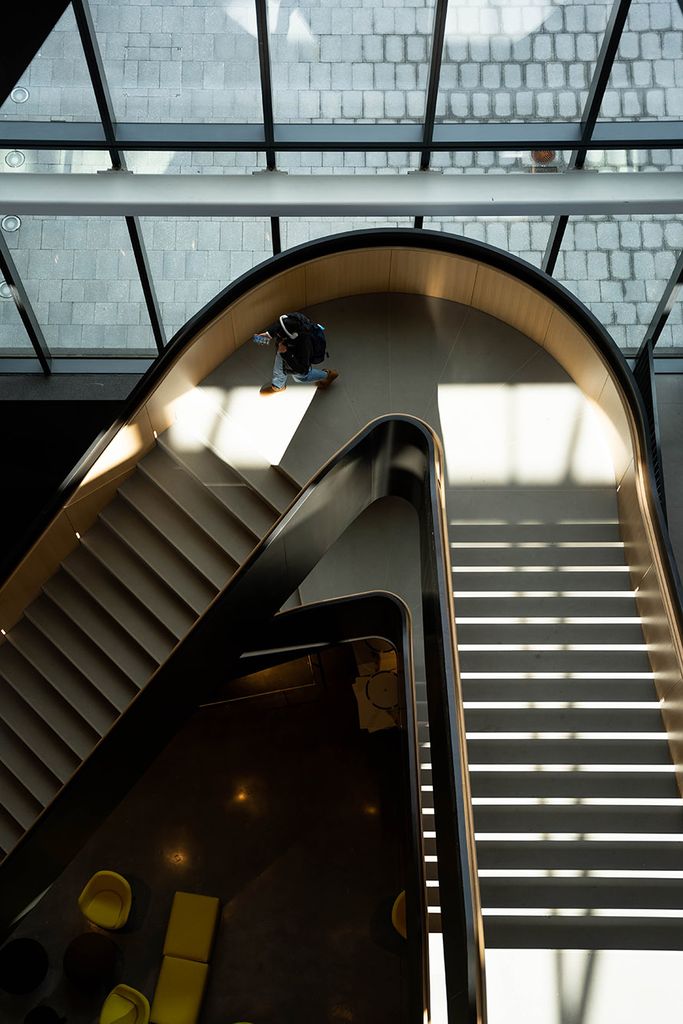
(121, 193)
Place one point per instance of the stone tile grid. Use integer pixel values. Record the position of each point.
(525, 237)
(12, 333)
(81, 278)
(619, 266)
(295, 231)
(361, 62)
(191, 260)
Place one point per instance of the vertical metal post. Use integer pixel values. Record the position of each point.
(589, 117)
(266, 83)
(105, 107)
(438, 34)
(23, 304)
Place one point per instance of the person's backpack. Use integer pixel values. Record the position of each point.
(316, 333)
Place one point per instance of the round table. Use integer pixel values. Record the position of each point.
(91, 961)
(23, 965)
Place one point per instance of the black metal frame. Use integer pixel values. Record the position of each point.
(423, 138)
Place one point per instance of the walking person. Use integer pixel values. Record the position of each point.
(298, 344)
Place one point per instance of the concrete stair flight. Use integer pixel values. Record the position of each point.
(578, 819)
(175, 533)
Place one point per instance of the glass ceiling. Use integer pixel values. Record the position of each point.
(241, 86)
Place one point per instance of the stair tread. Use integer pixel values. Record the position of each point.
(30, 772)
(569, 719)
(76, 690)
(582, 933)
(579, 818)
(35, 732)
(188, 538)
(101, 628)
(138, 578)
(589, 892)
(121, 603)
(23, 806)
(89, 659)
(160, 557)
(199, 502)
(10, 830)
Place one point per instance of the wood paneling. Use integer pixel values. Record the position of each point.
(620, 437)
(351, 273)
(661, 641)
(40, 563)
(432, 273)
(122, 453)
(285, 293)
(574, 351)
(637, 550)
(514, 303)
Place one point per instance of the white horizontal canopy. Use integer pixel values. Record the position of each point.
(271, 194)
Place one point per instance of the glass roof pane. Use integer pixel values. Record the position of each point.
(192, 259)
(53, 161)
(56, 85)
(647, 76)
(634, 160)
(336, 63)
(672, 335)
(165, 162)
(13, 337)
(519, 60)
(348, 163)
(619, 266)
(180, 62)
(540, 161)
(526, 237)
(81, 278)
(297, 230)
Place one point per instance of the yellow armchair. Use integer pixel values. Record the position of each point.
(398, 915)
(125, 1005)
(106, 900)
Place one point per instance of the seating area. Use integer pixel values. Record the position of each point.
(185, 965)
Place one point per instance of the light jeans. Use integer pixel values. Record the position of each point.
(280, 374)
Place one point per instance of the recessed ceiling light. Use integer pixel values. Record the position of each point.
(15, 158)
(20, 94)
(5, 291)
(11, 222)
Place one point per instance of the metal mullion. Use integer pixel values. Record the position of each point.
(266, 83)
(419, 222)
(438, 33)
(665, 306)
(24, 307)
(145, 274)
(98, 78)
(589, 117)
(275, 238)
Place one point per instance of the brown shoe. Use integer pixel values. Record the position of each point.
(270, 389)
(331, 377)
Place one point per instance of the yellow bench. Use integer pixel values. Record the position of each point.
(185, 966)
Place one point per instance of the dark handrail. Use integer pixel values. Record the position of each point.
(393, 456)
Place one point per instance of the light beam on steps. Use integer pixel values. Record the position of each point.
(544, 593)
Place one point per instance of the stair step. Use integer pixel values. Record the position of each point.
(548, 632)
(586, 892)
(139, 578)
(490, 661)
(10, 831)
(230, 489)
(531, 750)
(186, 536)
(530, 533)
(159, 556)
(583, 933)
(230, 443)
(571, 719)
(121, 603)
(48, 703)
(200, 504)
(103, 630)
(554, 555)
(505, 505)
(578, 818)
(530, 605)
(78, 691)
(82, 652)
(614, 689)
(614, 578)
(20, 803)
(639, 854)
(577, 784)
(26, 767)
(36, 733)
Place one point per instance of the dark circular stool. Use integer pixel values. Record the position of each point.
(23, 965)
(91, 961)
(43, 1015)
